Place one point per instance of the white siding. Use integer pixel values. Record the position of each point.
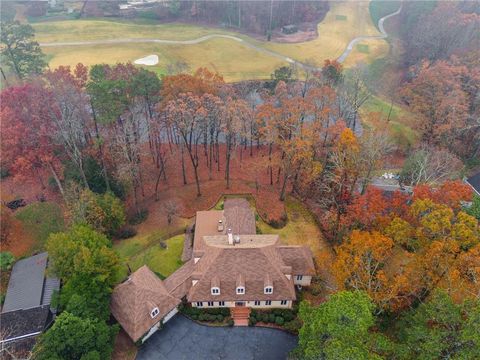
(152, 331)
(169, 315)
(306, 280)
(275, 304)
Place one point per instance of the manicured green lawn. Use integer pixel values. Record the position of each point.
(41, 219)
(301, 228)
(162, 261)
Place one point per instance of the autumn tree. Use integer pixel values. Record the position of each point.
(103, 212)
(437, 96)
(184, 114)
(430, 164)
(360, 262)
(27, 142)
(19, 50)
(69, 115)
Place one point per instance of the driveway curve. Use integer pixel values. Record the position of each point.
(183, 339)
(383, 35)
(201, 39)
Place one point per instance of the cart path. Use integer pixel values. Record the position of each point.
(201, 39)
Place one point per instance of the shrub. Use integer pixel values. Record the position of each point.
(126, 232)
(201, 317)
(4, 172)
(279, 320)
(194, 316)
(265, 318)
(230, 322)
(220, 317)
(6, 260)
(252, 321)
(293, 326)
(139, 217)
(163, 245)
(271, 318)
(278, 223)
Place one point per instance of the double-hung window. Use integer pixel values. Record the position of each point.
(268, 302)
(283, 302)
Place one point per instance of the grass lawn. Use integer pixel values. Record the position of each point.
(235, 61)
(159, 260)
(39, 220)
(301, 228)
(230, 58)
(400, 130)
(335, 32)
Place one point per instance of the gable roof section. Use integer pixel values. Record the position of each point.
(251, 264)
(28, 286)
(474, 182)
(133, 300)
(299, 258)
(178, 283)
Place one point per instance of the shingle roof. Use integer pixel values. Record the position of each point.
(206, 223)
(28, 286)
(17, 323)
(239, 216)
(133, 300)
(250, 265)
(474, 182)
(299, 258)
(178, 283)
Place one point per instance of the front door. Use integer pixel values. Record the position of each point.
(240, 303)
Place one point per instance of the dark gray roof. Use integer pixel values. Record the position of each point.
(28, 287)
(474, 182)
(23, 322)
(20, 326)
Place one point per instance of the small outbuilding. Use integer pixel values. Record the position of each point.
(26, 312)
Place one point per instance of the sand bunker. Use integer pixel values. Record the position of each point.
(147, 60)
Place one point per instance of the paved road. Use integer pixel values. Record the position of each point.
(234, 38)
(383, 35)
(182, 339)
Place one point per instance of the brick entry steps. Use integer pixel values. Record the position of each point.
(240, 315)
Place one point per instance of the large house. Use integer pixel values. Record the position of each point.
(231, 266)
(26, 312)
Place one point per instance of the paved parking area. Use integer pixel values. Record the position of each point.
(182, 339)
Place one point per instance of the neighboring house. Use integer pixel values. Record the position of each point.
(474, 182)
(26, 312)
(232, 267)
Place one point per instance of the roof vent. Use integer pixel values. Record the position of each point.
(237, 239)
(220, 226)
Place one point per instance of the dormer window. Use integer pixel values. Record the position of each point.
(240, 290)
(215, 291)
(268, 290)
(154, 313)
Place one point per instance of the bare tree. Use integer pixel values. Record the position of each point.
(430, 165)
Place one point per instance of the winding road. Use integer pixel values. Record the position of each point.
(260, 49)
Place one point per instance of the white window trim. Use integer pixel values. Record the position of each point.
(215, 288)
(154, 313)
(283, 302)
(299, 277)
(240, 290)
(210, 303)
(221, 303)
(266, 288)
(268, 302)
(199, 303)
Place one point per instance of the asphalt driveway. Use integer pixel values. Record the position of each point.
(182, 339)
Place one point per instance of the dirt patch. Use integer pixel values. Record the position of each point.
(124, 348)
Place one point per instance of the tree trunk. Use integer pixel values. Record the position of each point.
(183, 169)
(57, 179)
(100, 149)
